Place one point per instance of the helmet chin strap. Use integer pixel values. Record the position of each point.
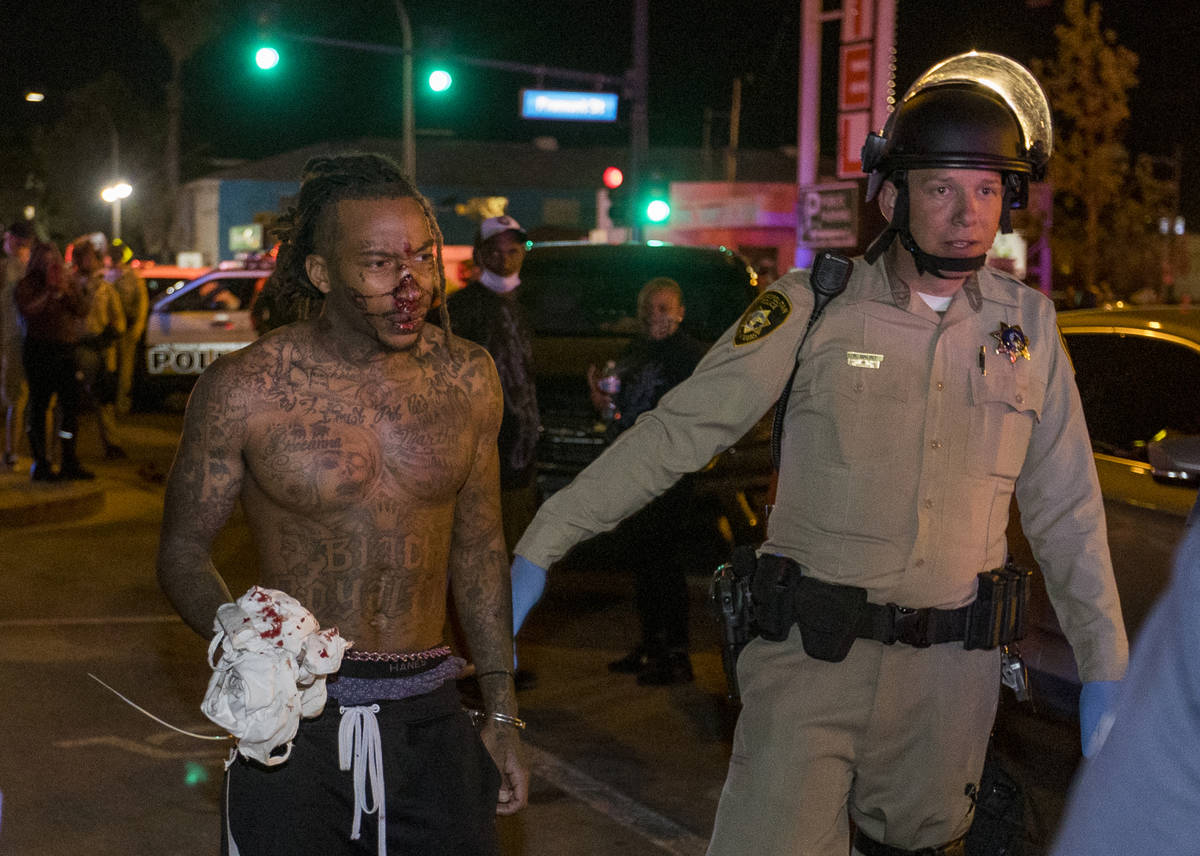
(925, 262)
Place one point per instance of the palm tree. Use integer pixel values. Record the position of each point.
(183, 28)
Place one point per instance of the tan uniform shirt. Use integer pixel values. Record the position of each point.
(104, 314)
(135, 299)
(900, 453)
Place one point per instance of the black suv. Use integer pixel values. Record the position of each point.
(581, 300)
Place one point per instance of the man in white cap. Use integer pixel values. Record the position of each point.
(486, 312)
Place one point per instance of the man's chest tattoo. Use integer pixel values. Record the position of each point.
(358, 571)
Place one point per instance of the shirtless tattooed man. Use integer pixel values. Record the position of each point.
(362, 445)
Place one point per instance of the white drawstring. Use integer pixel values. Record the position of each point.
(358, 736)
(233, 848)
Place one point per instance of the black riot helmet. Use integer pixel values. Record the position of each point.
(971, 111)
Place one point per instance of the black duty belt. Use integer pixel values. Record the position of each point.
(920, 628)
(832, 616)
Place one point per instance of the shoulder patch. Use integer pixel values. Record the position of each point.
(765, 315)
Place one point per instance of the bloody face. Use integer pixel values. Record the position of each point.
(381, 269)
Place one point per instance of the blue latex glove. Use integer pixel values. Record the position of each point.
(1097, 701)
(528, 583)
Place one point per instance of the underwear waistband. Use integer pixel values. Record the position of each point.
(360, 681)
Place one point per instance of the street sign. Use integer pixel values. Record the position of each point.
(828, 215)
(571, 106)
(246, 237)
(852, 133)
(854, 79)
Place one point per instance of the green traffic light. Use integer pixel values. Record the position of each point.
(657, 211)
(266, 57)
(440, 80)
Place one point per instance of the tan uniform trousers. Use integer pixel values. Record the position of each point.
(892, 734)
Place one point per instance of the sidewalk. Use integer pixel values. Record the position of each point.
(148, 438)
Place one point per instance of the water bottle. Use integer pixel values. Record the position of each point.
(610, 384)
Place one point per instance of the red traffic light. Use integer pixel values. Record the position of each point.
(613, 177)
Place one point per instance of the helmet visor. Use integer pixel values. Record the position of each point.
(1012, 82)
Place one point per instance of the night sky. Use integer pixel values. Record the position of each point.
(697, 48)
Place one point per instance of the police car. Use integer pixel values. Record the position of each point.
(193, 323)
(160, 277)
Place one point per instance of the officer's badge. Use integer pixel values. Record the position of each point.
(767, 313)
(1011, 342)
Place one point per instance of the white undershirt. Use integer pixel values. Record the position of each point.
(936, 303)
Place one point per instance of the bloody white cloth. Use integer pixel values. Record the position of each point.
(271, 672)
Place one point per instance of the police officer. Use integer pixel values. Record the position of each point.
(924, 396)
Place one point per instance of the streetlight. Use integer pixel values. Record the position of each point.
(113, 194)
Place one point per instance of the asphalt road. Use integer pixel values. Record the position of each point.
(618, 768)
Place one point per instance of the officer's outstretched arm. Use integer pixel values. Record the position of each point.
(528, 583)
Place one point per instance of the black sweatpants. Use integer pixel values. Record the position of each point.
(441, 788)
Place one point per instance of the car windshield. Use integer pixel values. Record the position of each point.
(592, 290)
(218, 293)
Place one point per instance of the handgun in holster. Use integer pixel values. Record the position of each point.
(730, 599)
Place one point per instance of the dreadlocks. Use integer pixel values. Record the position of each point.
(289, 295)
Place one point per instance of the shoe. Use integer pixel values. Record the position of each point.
(673, 668)
(75, 472)
(633, 662)
(115, 453)
(41, 471)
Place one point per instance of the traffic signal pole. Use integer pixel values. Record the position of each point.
(639, 124)
(633, 82)
(408, 122)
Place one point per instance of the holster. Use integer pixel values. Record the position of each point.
(829, 616)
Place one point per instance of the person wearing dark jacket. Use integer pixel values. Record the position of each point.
(53, 308)
(661, 357)
(486, 311)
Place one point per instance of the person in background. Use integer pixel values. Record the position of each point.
(96, 353)
(1140, 791)
(52, 307)
(135, 303)
(18, 244)
(659, 358)
(486, 311)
